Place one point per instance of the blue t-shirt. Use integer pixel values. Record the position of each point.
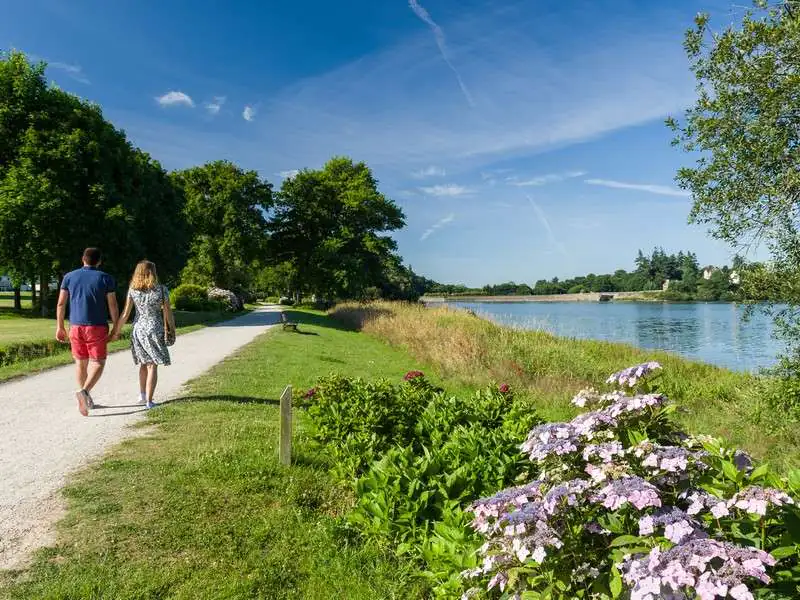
(87, 288)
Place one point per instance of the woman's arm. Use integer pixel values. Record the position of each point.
(168, 311)
(123, 318)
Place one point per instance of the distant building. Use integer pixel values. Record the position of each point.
(665, 285)
(734, 278)
(5, 283)
(709, 271)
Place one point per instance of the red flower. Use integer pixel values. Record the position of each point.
(413, 375)
(504, 388)
(310, 393)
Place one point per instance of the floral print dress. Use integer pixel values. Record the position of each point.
(147, 340)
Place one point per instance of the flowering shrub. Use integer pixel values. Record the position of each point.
(413, 375)
(626, 505)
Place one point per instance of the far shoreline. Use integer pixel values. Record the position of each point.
(648, 297)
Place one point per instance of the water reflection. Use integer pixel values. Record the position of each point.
(713, 333)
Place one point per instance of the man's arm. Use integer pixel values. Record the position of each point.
(113, 311)
(61, 313)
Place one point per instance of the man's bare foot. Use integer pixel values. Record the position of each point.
(83, 402)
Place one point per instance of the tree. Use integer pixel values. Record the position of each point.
(329, 223)
(70, 180)
(225, 210)
(745, 129)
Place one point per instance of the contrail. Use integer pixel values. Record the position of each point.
(546, 224)
(442, 43)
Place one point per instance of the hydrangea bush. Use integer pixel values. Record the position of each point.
(625, 505)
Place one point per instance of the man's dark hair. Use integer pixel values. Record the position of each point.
(92, 256)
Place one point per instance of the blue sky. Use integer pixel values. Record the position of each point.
(524, 140)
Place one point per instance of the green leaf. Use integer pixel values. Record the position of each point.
(624, 540)
(730, 471)
(759, 472)
(783, 552)
(615, 583)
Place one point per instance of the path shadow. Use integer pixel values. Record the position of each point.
(105, 415)
(223, 398)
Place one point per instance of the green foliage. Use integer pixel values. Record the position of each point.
(416, 456)
(359, 420)
(193, 298)
(745, 129)
(69, 179)
(225, 208)
(328, 226)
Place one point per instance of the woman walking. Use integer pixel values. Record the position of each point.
(153, 327)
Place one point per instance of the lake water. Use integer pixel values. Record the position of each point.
(714, 333)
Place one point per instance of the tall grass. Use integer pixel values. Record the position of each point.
(549, 370)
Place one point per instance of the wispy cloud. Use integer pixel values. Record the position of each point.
(431, 171)
(441, 42)
(544, 179)
(74, 71)
(289, 174)
(174, 99)
(215, 105)
(249, 113)
(438, 225)
(662, 190)
(546, 224)
(450, 189)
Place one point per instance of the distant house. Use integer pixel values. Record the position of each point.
(665, 285)
(709, 271)
(734, 278)
(5, 283)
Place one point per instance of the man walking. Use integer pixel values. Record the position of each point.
(91, 295)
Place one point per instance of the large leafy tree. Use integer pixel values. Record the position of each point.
(744, 130)
(225, 209)
(71, 180)
(331, 225)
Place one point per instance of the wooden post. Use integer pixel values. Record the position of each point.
(285, 447)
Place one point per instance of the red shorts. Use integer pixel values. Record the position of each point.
(89, 341)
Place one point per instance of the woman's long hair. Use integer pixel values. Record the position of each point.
(144, 277)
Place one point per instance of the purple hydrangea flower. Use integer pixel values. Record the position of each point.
(633, 490)
(678, 525)
(755, 500)
(632, 375)
(700, 500)
(706, 567)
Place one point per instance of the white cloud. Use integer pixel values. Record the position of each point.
(289, 174)
(544, 179)
(540, 214)
(431, 171)
(450, 189)
(249, 113)
(175, 98)
(74, 71)
(662, 190)
(441, 42)
(438, 225)
(215, 105)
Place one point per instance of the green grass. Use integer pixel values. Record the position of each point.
(27, 328)
(7, 300)
(200, 508)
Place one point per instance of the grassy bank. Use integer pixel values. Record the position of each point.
(201, 509)
(38, 335)
(549, 370)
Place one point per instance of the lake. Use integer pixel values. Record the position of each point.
(710, 332)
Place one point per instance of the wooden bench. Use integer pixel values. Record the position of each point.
(286, 323)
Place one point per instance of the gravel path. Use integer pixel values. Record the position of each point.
(43, 437)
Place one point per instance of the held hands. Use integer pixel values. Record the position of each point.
(114, 334)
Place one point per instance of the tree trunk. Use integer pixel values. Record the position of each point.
(17, 298)
(33, 291)
(43, 293)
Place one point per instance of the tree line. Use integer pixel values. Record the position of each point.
(70, 179)
(685, 277)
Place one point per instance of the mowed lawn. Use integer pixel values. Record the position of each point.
(200, 507)
(7, 299)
